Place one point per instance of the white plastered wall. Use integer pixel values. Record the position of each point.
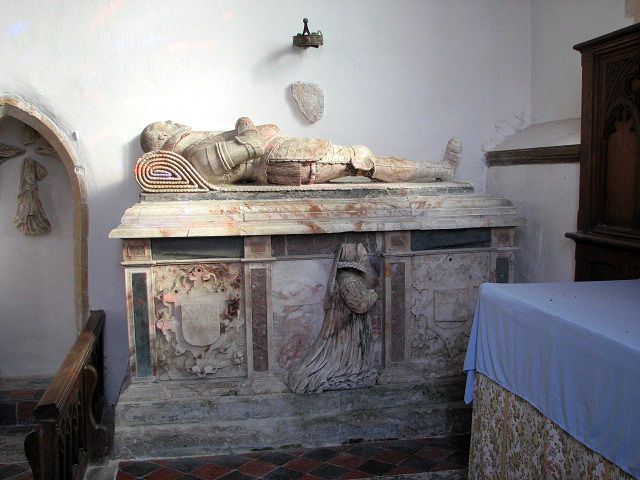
(400, 77)
(547, 195)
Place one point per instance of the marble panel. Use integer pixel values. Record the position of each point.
(443, 295)
(398, 312)
(502, 265)
(259, 319)
(298, 290)
(199, 321)
(141, 324)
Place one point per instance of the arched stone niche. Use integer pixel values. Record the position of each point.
(20, 109)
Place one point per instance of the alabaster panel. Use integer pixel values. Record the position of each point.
(443, 295)
(199, 321)
(298, 291)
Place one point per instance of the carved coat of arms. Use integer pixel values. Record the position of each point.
(198, 315)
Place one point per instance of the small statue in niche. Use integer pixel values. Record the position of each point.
(340, 357)
(176, 155)
(30, 218)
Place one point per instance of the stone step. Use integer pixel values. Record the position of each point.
(218, 435)
(166, 404)
(12, 444)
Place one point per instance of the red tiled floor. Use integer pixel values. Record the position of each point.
(348, 460)
(210, 472)
(355, 474)
(303, 464)
(401, 470)
(434, 453)
(257, 468)
(124, 476)
(164, 474)
(392, 456)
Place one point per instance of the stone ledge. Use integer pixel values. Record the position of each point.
(324, 190)
(184, 421)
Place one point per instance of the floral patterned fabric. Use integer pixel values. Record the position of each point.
(510, 439)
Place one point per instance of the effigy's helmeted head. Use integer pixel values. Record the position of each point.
(155, 134)
(353, 255)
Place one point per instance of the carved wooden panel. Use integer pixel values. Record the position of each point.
(609, 213)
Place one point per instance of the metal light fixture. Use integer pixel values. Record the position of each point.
(307, 39)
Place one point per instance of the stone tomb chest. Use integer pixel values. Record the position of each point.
(226, 294)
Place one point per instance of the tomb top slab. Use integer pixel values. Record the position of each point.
(248, 211)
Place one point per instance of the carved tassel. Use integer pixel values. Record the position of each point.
(30, 218)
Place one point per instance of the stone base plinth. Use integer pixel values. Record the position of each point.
(168, 419)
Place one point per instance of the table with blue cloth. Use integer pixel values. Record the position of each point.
(571, 351)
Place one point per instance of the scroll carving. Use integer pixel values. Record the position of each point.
(200, 328)
(31, 218)
(162, 171)
(340, 357)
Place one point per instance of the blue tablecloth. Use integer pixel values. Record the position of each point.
(572, 350)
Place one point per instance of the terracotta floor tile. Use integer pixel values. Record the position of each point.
(210, 472)
(420, 464)
(236, 475)
(257, 468)
(322, 454)
(187, 464)
(277, 457)
(139, 469)
(348, 460)
(282, 473)
(164, 474)
(355, 474)
(302, 464)
(375, 467)
(329, 472)
(392, 456)
(125, 476)
(400, 470)
(434, 453)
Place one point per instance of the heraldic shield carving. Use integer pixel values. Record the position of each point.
(199, 326)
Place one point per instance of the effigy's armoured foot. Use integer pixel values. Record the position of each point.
(453, 152)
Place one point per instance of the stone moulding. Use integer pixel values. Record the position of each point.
(298, 216)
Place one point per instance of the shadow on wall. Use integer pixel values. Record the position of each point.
(107, 280)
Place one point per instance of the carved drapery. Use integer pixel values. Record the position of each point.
(31, 218)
